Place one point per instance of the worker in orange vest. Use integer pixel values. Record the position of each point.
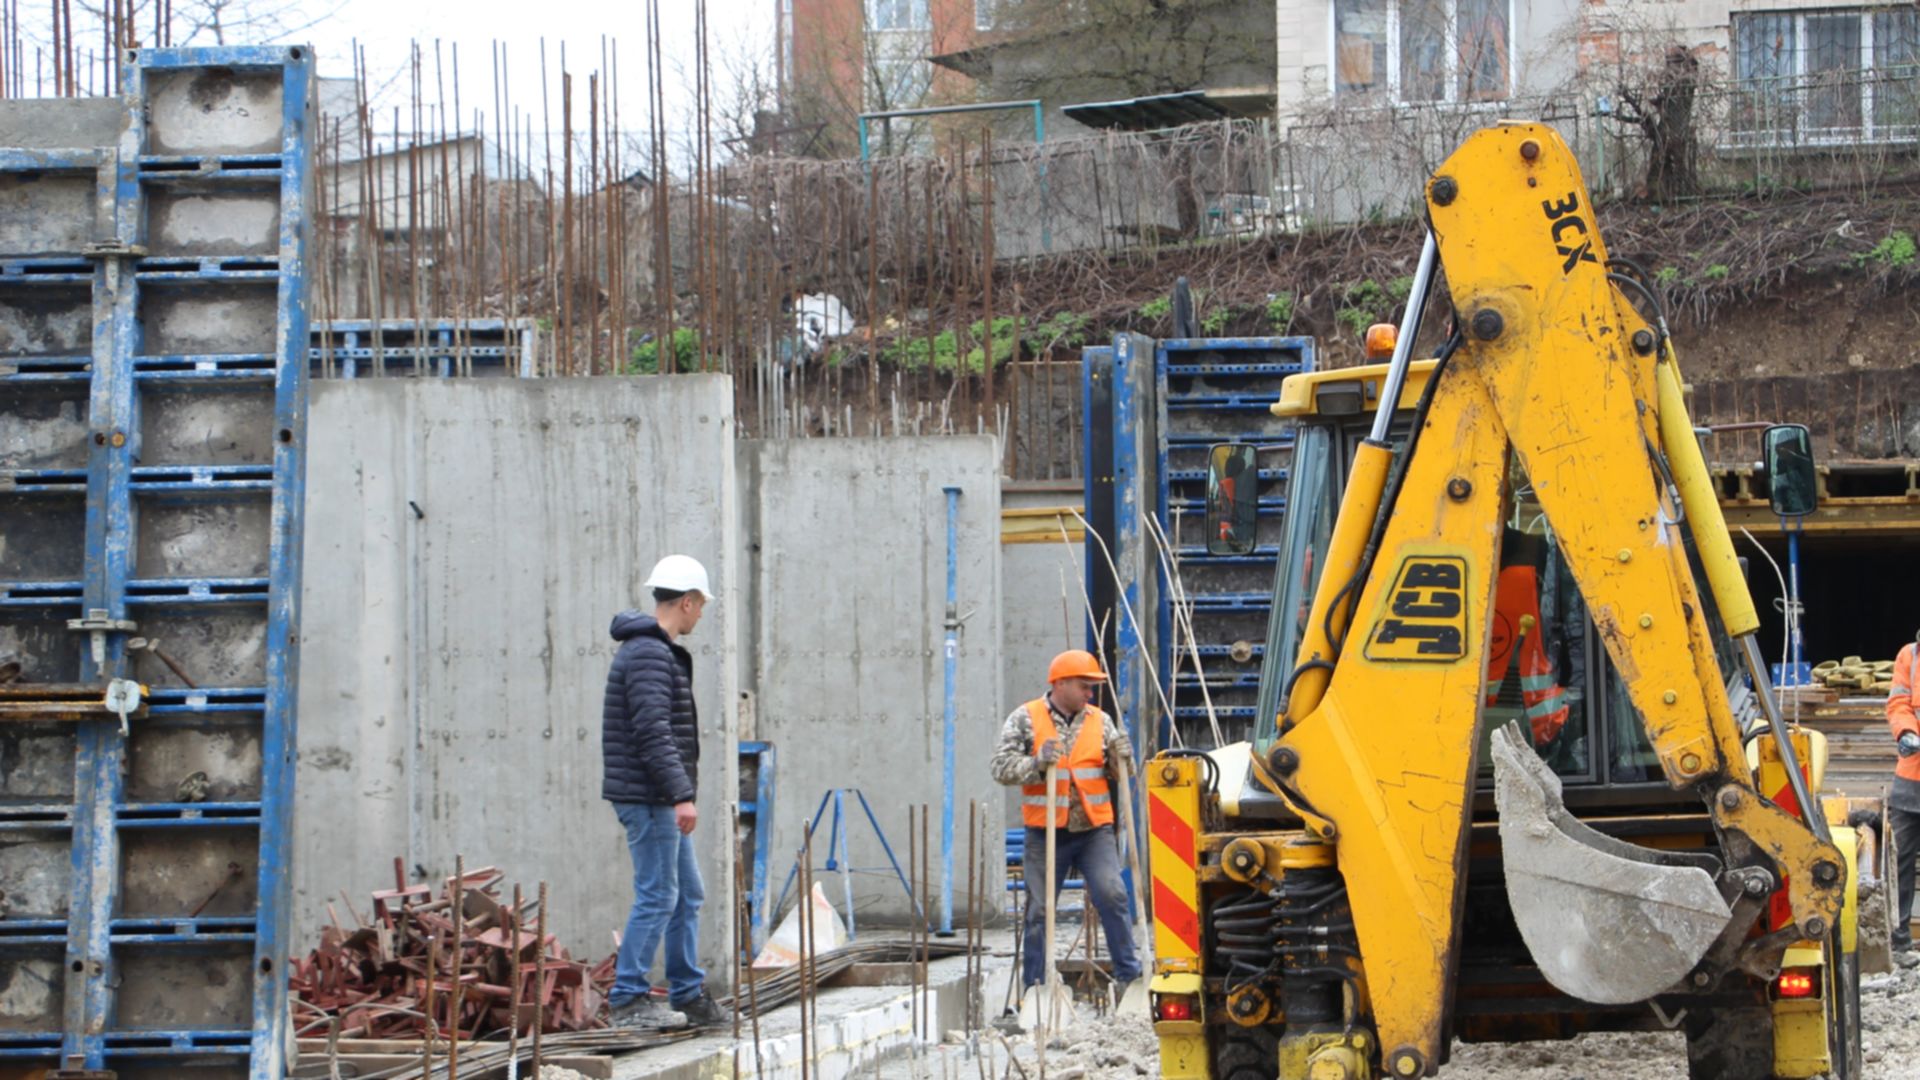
(1066, 729)
(1520, 637)
(1903, 808)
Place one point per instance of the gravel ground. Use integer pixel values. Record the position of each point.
(1890, 1045)
(1112, 1047)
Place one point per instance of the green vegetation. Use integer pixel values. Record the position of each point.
(1895, 251)
(1280, 312)
(1716, 272)
(1217, 321)
(1367, 303)
(686, 353)
(1068, 328)
(916, 352)
(1156, 309)
(1005, 343)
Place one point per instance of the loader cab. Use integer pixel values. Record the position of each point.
(1547, 667)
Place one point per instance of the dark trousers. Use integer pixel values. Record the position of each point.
(1096, 854)
(1906, 849)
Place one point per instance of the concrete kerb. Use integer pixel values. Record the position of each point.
(858, 1026)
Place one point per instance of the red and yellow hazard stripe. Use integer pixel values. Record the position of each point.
(1173, 827)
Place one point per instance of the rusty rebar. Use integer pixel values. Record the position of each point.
(925, 921)
(753, 988)
(913, 918)
(433, 1024)
(539, 977)
(986, 267)
(459, 943)
(804, 913)
(742, 933)
(514, 992)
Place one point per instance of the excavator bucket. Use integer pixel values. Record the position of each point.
(1606, 921)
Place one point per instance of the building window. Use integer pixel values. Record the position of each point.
(983, 14)
(1826, 76)
(1422, 50)
(900, 82)
(897, 14)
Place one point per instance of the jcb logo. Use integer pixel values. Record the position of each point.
(1425, 615)
(1570, 230)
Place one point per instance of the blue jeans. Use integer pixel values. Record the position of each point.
(666, 902)
(1096, 854)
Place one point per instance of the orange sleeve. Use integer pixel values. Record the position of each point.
(1900, 716)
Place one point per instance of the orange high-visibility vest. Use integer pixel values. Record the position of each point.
(1902, 701)
(1083, 770)
(1518, 595)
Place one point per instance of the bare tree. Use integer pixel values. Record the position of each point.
(873, 57)
(1660, 104)
(217, 22)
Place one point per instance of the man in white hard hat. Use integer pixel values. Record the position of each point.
(650, 741)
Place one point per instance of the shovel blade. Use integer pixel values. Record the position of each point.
(1606, 921)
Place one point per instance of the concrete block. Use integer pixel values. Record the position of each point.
(848, 559)
(468, 544)
(61, 123)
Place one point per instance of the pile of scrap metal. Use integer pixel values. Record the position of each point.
(416, 971)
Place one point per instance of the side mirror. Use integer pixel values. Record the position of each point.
(1233, 499)
(1790, 478)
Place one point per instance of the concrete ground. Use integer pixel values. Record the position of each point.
(856, 1027)
(868, 1031)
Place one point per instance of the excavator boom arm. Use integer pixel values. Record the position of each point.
(1557, 370)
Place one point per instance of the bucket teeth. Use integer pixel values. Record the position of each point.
(1606, 921)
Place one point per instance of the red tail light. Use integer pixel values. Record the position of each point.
(1173, 1007)
(1798, 983)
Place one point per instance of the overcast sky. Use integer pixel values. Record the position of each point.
(385, 28)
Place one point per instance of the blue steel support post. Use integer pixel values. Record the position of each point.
(1129, 673)
(114, 421)
(278, 737)
(763, 805)
(880, 835)
(794, 871)
(947, 733)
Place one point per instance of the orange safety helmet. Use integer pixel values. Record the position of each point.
(1075, 664)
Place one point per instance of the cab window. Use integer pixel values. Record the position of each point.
(1538, 645)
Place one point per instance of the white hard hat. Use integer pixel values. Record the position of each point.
(680, 573)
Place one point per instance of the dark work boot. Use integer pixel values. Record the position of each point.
(646, 1013)
(702, 1011)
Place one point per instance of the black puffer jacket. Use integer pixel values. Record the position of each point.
(649, 730)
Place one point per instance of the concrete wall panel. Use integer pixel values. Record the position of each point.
(468, 543)
(1043, 616)
(848, 542)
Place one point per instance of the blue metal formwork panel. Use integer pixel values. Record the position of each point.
(1215, 390)
(437, 348)
(153, 366)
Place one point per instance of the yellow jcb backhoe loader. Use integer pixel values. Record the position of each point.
(1509, 593)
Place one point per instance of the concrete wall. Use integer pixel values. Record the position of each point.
(1044, 613)
(467, 545)
(846, 546)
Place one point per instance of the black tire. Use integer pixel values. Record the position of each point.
(1730, 1044)
(1843, 1023)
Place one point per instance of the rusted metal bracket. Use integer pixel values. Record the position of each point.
(60, 703)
